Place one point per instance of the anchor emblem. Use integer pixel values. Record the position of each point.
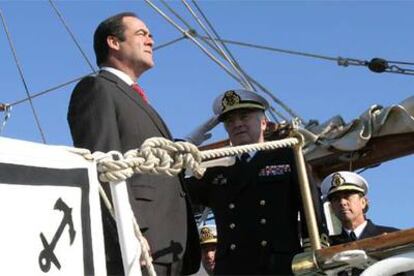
(47, 256)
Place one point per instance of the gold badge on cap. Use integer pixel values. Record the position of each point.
(206, 234)
(337, 180)
(230, 98)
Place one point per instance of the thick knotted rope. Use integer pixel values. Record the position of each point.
(162, 156)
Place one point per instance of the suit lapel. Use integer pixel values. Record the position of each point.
(368, 231)
(344, 237)
(131, 94)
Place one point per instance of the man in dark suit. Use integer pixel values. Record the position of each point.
(255, 201)
(109, 112)
(346, 192)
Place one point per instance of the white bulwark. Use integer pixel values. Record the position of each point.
(49, 211)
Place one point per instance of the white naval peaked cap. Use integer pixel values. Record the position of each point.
(208, 234)
(343, 181)
(238, 99)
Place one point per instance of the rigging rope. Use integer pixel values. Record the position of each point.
(176, 14)
(222, 44)
(59, 14)
(272, 110)
(244, 80)
(376, 65)
(340, 60)
(189, 35)
(34, 95)
(169, 43)
(230, 58)
(19, 68)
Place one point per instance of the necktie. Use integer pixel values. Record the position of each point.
(353, 236)
(140, 91)
(244, 158)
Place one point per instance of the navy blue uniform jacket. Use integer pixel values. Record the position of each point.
(256, 207)
(371, 230)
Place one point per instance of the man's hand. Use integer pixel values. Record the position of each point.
(201, 133)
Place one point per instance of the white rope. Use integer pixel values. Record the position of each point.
(231, 151)
(161, 156)
(146, 256)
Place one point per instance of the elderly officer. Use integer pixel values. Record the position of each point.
(256, 200)
(346, 191)
(208, 242)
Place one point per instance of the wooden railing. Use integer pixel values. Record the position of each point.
(376, 248)
(377, 151)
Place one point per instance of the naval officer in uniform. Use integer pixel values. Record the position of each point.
(255, 201)
(347, 193)
(208, 243)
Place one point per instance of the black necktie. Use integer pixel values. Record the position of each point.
(352, 236)
(244, 158)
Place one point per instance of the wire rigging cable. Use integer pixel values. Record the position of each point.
(189, 35)
(19, 68)
(192, 33)
(218, 36)
(169, 43)
(219, 45)
(59, 14)
(340, 60)
(176, 14)
(223, 53)
(35, 95)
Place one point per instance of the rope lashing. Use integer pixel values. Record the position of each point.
(161, 156)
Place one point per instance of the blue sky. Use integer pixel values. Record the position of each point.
(185, 82)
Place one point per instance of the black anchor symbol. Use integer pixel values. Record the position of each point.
(47, 255)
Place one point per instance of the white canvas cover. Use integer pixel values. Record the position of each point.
(50, 212)
(377, 121)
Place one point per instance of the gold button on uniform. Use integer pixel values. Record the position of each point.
(263, 221)
(263, 243)
(262, 202)
(231, 206)
(232, 246)
(232, 225)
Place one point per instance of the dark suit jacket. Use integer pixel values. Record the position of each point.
(371, 230)
(256, 208)
(106, 114)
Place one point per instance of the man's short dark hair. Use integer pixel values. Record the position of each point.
(110, 26)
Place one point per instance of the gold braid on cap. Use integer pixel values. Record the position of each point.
(206, 234)
(230, 98)
(337, 180)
